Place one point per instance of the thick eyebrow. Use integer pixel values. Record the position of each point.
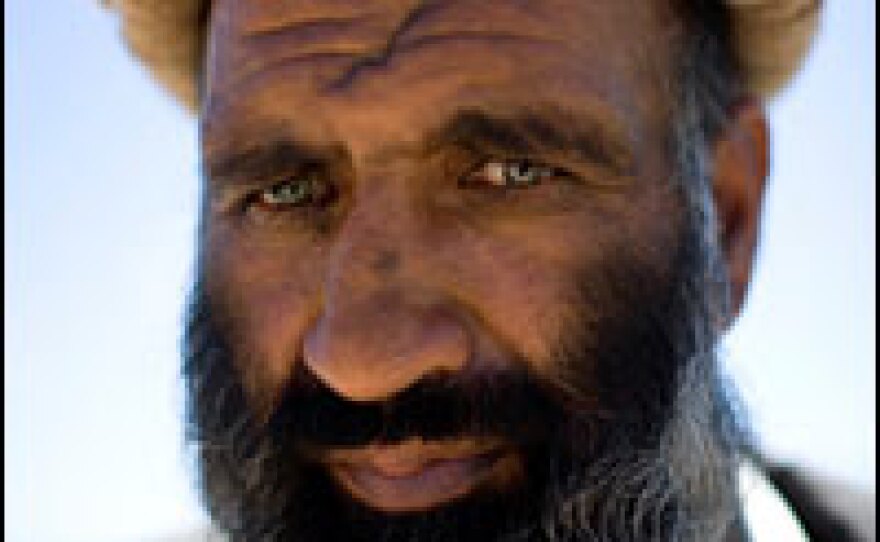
(264, 160)
(540, 132)
(523, 132)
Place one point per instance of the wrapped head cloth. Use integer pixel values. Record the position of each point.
(770, 38)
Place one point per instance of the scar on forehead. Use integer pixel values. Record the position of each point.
(400, 38)
(380, 57)
(307, 37)
(345, 47)
(400, 41)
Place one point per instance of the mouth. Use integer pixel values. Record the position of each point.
(417, 475)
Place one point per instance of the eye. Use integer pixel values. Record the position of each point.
(300, 191)
(509, 174)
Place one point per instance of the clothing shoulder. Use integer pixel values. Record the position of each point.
(828, 509)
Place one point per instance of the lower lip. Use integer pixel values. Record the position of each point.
(436, 483)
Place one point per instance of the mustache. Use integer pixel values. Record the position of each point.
(512, 404)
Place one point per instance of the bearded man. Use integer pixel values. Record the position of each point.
(463, 266)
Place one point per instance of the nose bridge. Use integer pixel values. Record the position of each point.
(376, 233)
(378, 330)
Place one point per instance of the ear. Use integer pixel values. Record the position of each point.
(740, 166)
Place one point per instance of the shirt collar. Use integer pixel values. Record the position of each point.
(768, 516)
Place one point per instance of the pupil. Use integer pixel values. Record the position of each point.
(519, 172)
(290, 191)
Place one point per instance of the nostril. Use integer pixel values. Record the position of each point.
(371, 351)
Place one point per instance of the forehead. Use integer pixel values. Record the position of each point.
(369, 71)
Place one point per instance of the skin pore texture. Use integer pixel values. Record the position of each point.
(461, 275)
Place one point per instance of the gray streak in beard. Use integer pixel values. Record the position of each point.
(691, 473)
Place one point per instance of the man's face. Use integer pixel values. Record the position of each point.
(448, 233)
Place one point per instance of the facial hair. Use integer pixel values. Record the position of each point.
(643, 449)
(644, 446)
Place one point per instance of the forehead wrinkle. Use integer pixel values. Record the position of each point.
(267, 14)
(341, 72)
(435, 23)
(300, 39)
(367, 64)
(289, 84)
(305, 24)
(354, 44)
(380, 56)
(307, 46)
(260, 35)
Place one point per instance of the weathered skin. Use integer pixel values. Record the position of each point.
(410, 274)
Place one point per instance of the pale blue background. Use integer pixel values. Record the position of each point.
(101, 192)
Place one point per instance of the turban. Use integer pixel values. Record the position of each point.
(770, 39)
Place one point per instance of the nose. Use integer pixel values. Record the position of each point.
(381, 327)
(369, 349)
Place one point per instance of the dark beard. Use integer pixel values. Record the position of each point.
(642, 448)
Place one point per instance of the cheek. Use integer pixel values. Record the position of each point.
(523, 278)
(516, 278)
(268, 293)
(513, 291)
